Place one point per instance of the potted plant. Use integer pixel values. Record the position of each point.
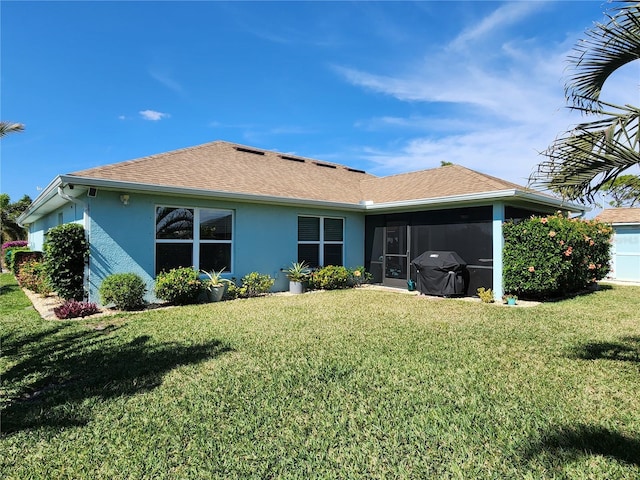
(215, 285)
(510, 299)
(298, 274)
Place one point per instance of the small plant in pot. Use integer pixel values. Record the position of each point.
(298, 273)
(215, 285)
(510, 299)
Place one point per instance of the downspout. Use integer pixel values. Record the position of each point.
(85, 225)
(84, 205)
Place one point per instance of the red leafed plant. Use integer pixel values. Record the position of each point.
(75, 309)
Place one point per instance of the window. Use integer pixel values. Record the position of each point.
(320, 241)
(198, 237)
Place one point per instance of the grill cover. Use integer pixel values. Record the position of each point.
(440, 273)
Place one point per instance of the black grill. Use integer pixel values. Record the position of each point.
(441, 273)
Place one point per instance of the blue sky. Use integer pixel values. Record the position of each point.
(387, 87)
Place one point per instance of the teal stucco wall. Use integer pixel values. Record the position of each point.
(70, 213)
(122, 237)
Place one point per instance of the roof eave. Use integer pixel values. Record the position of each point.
(31, 213)
(198, 192)
(496, 195)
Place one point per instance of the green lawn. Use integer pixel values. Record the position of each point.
(345, 384)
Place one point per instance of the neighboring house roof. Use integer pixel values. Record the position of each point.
(619, 215)
(223, 169)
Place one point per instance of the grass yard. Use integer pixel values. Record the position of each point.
(345, 384)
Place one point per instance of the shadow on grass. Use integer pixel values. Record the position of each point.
(625, 350)
(59, 371)
(571, 443)
(4, 289)
(561, 297)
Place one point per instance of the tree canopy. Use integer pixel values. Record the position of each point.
(624, 191)
(9, 215)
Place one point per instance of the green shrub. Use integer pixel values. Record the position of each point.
(7, 250)
(255, 284)
(10, 258)
(180, 286)
(331, 277)
(232, 292)
(125, 290)
(554, 255)
(23, 255)
(32, 275)
(66, 251)
(359, 276)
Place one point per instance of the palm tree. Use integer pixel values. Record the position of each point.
(9, 212)
(10, 127)
(596, 152)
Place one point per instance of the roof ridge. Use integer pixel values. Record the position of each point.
(237, 146)
(148, 157)
(494, 179)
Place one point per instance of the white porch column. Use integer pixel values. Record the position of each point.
(498, 245)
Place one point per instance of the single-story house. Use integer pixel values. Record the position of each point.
(625, 250)
(224, 205)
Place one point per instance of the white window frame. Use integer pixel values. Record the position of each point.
(195, 241)
(322, 242)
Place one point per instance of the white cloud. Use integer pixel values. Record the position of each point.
(166, 80)
(153, 115)
(504, 16)
(492, 110)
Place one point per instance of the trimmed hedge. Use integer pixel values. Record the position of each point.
(66, 251)
(21, 256)
(554, 256)
(9, 254)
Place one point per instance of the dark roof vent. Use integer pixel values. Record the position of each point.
(293, 159)
(326, 165)
(249, 150)
(355, 170)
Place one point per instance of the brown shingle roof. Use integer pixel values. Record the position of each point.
(619, 215)
(227, 167)
(435, 183)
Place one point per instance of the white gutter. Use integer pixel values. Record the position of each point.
(475, 197)
(169, 190)
(362, 206)
(62, 194)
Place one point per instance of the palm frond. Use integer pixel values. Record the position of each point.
(606, 48)
(10, 127)
(593, 153)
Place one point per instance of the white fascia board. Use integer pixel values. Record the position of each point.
(50, 193)
(41, 200)
(475, 198)
(552, 202)
(197, 192)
